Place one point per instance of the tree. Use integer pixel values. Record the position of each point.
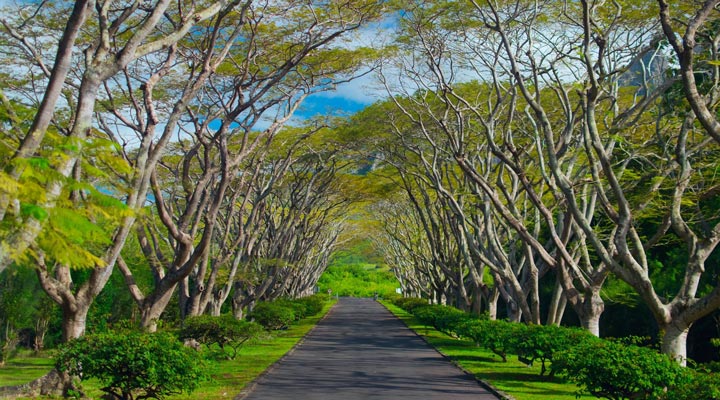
(134, 365)
(64, 142)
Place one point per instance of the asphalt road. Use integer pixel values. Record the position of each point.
(362, 351)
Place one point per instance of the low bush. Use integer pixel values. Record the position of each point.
(611, 370)
(409, 304)
(313, 304)
(134, 365)
(443, 318)
(272, 315)
(299, 309)
(500, 337)
(696, 385)
(226, 331)
(541, 342)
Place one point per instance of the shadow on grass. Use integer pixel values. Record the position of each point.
(475, 359)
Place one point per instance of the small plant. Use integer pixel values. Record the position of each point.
(409, 304)
(541, 342)
(443, 318)
(134, 365)
(273, 316)
(299, 309)
(500, 337)
(314, 304)
(226, 331)
(611, 370)
(696, 384)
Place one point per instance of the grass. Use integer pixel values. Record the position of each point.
(513, 377)
(25, 367)
(358, 280)
(229, 377)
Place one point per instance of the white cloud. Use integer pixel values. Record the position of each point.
(364, 90)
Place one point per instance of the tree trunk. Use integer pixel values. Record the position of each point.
(674, 342)
(74, 320)
(557, 305)
(493, 303)
(513, 311)
(153, 308)
(215, 307)
(593, 307)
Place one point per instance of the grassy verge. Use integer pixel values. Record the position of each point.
(25, 367)
(513, 377)
(229, 377)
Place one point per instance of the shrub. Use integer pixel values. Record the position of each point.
(500, 337)
(226, 331)
(299, 308)
(541, 342)
(612, 370)
(443, 318)
(134, 365)
(272, 315)
(696, 385)
(314, 304)
(409, 304)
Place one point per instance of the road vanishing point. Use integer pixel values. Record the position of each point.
(362, 351)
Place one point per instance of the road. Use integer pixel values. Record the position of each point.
(362, 351)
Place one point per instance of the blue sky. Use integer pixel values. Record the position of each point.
(347, 99)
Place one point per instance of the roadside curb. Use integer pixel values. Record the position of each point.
(497, 392)
(248, 389)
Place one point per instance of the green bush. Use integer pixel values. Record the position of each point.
(541, 342)
(134, 365)
(299, 308)
(611, 370)
(226, 331)
(313, 304)
(445, 319)
(500, 337)
(696, 385)
(410, 303)
(272, 315)
(358, 280)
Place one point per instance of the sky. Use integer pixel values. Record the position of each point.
(351, 97)
(347, 99)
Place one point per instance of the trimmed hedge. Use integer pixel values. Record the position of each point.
(500, 337)
(603, 368)
(134, 364)
(410, 303)
(443, 318)
(278, 314)
(611, 370)
(226, 331)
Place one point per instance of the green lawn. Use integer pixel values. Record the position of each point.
(358, 280)
(513, 378)
(25, 367)
(229, 377)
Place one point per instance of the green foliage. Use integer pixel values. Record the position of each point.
(134, 365)
(25, 312)
(611, 370)
(696, 385)
(272, 315)
(500, 337)
(542, 342)
(358, 280)
(313, 304)
(409, 304)
(299, 309)
(443, 318)
(226, 331)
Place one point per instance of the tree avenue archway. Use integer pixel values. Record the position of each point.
(534, 161)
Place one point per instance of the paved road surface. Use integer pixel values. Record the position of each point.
(361, 351)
